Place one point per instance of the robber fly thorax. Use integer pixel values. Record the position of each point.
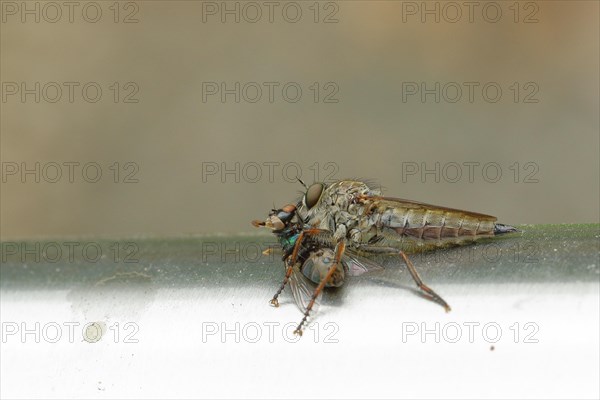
(333, 226)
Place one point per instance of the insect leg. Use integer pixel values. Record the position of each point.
(299, 241)
(339, 252)
(420, 284)
(274, 302)
(291, 260)
(411, 268)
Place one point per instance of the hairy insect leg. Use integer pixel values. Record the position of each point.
(415, 275)
(291, 260)
(413, 272)
(274, 302)
(298, 243)
(339, 252)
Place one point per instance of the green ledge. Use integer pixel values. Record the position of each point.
(538, 253)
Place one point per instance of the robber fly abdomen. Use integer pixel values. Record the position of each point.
(423, 223)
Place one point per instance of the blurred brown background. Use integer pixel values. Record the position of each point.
(161, 130)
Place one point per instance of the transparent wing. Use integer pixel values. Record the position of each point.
(303, 290)
(417, 205)
(358, 265)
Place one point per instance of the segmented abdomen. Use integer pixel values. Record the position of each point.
(430, 223)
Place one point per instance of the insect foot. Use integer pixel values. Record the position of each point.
(298, 330)
(274, 302)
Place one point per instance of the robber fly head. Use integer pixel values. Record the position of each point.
(278, 219)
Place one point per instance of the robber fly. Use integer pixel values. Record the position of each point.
(334, 228)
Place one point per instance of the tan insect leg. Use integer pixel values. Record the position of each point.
(339, 251)
(274, 302)
(307, 232)
(290, 263)
(413, 272)
(415, 275)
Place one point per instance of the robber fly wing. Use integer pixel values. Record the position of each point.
(414, 205)
(303, 290)
(358, 265)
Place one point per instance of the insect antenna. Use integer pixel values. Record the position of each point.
(302, 183)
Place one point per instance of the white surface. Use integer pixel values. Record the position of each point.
(359, 352)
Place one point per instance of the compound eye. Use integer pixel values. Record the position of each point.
(313, 194)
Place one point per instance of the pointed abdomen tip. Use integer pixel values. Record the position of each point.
(499, 229)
